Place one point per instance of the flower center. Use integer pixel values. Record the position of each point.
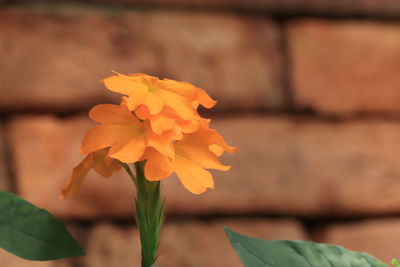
(151, 88)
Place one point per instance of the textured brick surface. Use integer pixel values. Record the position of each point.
(4, 176)
(11, 260)
(287, 7)
(378, 237)
(73, 50)
(345, 67)
(306, 166)
(184, 243)
(282, 166)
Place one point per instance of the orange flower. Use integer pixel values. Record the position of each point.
(126, 136)
(99, 161)
(195, 153)
(157, 122)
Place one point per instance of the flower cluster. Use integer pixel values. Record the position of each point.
(156, 122)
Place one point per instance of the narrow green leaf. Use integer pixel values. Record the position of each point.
(32, 233)
(255, 252)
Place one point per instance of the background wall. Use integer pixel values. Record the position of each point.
(308, 91)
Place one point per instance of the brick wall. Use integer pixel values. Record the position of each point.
(308, 91)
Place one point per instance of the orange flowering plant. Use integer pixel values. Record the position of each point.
(157, 128)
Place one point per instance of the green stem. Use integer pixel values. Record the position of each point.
(128, 170)
(149, 212)
(149, 215)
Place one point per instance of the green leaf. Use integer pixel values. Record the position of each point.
(395, 263)
(255, 252)
(32, 233)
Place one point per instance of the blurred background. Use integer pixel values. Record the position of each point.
(309, 92)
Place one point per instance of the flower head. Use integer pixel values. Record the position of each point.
(156, 122)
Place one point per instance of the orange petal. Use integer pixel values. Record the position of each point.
(216, 149)
(161, 143)
(131, 151)
(107, 167)
(177, 103)
(153, 102)
(135, 99)
(157, 166)
(202, 156)
(109, 113)
(219, 140)
(174, 134)
(161, 123)
(192, 176)
(195, 147)
(142, 113)
(105, 135)
(75, 180)
(189, 126)
(183, 88)
(123, 85)
(204, 99)
(210, 136)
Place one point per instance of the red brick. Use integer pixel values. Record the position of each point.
(62, 56)
(186, 243)
(284, 166)
(345, 68)
(378, 237)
